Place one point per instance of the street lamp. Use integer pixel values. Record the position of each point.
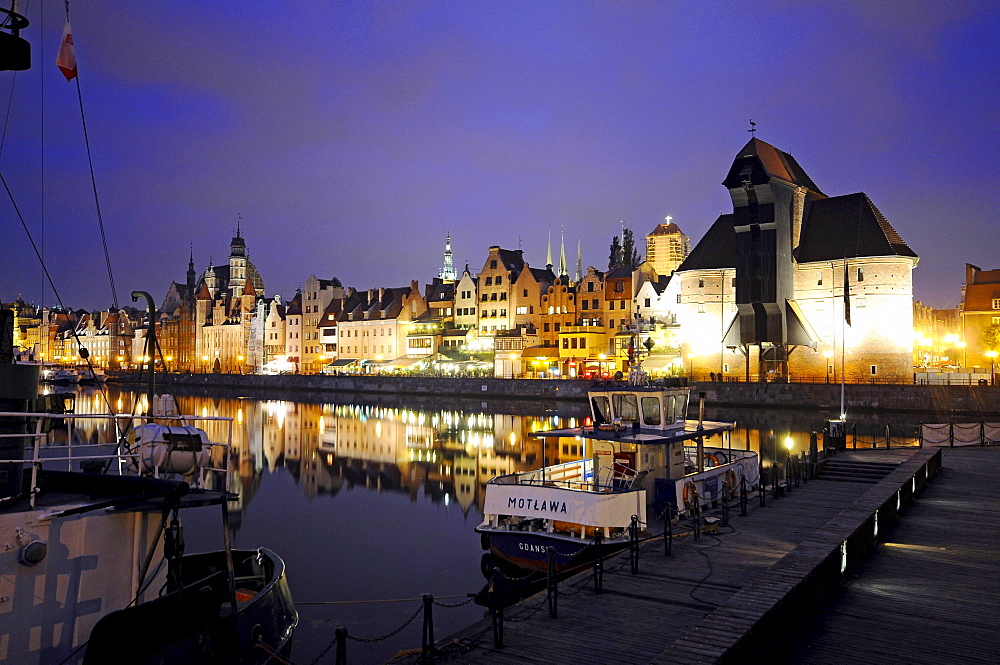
(691, 357)
(992, 355)
(827, 354)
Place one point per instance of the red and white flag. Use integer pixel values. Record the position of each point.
(66, 61)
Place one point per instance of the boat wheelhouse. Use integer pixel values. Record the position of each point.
(640, 454)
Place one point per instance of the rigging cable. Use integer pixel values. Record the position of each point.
(93, 182)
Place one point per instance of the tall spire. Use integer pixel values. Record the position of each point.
(562, 252)
(192, 276)
(548, 254)
(579, 261)
(447, 273)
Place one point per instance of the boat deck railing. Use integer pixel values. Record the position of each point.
(123, 462)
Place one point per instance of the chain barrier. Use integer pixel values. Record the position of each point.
(371, 640)
(325, 651)
(272, 653)
(453, 605)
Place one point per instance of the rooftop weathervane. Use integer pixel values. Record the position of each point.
(753, 129)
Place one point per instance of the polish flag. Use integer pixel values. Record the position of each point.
(66, 61)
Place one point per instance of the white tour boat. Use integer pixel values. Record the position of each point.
(639, 452)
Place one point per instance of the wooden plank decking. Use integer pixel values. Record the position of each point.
(931, 592)
(643, 618)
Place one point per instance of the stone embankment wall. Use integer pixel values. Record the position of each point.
(945, 401)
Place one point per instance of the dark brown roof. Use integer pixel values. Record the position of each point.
(717, 249)
(777, 164)
(665, 229)
(847, 226)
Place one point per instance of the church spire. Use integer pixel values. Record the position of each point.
(579, 261)
(548, 253)
(447, 272)
(191, 274)
(562, 252)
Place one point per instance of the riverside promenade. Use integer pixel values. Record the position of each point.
(944, 402)
(729, 597)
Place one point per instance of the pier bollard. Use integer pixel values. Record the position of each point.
(762, 489)
(788, 474)
(598, 565)
(668, 532)
(813, 452)
(496, 610)
(633, 544)
(341, 658)
(725, 505)
(743, 496)
(552, 585)
(427, 635)
(697, 516)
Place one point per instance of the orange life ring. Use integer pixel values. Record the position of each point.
(690, 496)
(731, 481)
(709, 457)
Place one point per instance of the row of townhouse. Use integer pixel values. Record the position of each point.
(792, 283)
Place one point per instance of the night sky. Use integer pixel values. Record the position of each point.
(351, 137)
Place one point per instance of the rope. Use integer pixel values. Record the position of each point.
(368, 602)
(273, 654)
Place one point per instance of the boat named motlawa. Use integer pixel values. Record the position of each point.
(639, 453)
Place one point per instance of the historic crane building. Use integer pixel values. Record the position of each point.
(763, 295)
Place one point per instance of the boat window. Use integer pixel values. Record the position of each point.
(600, 407)
(682, 407)
(179, 441)
(626, 407)
(651, 410)
(668, 407)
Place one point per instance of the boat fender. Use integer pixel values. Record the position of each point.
(484, 541)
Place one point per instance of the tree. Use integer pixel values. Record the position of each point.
(989, 340)
(630, 255)
(615, 258)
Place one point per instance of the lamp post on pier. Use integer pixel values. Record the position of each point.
(827, 354)
(992, 355)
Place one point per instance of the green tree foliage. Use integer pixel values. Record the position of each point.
(630, 255)
(990, 338)
(615, 258)
(623, 252)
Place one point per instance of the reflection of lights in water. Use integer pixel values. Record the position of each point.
(321, 425)
(378, 428)
(119, 405)
(204, 412)
(239, 415)
(513, 438)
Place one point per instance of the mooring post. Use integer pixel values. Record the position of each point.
(725, 504)
(762, 489)
(341, 634)
(813, 453)
(697, 515)
(633, 544)
(598, 565)
(427, 636)
(496, 610)
(552, 584)
(668, 532)
(743, 496)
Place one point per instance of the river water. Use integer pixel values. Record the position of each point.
(372, 501)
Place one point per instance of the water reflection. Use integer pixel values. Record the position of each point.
(371, 497)
(446, 454)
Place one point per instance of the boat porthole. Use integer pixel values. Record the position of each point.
(32, 553)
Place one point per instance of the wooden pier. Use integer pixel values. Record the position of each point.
(714, 599)
(930, 593)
